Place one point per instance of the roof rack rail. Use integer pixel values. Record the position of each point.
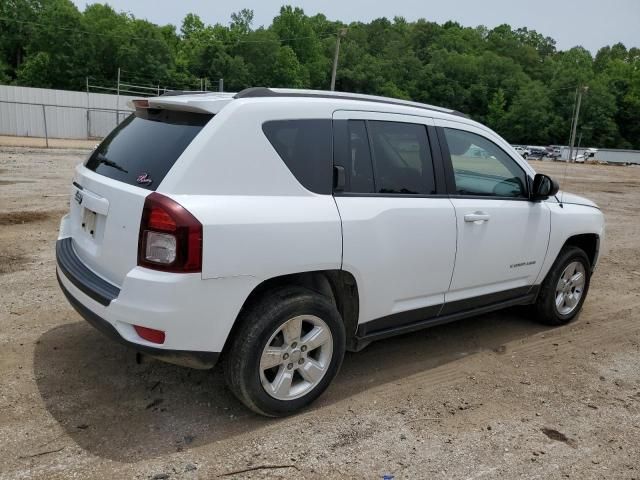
(261, 92)
(175, 93)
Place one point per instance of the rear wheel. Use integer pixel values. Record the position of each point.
(287, 350)
(565, 288)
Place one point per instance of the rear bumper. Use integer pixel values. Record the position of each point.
(102, 305)
(84, 279)
(199, 360)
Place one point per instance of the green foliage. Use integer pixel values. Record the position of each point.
(32, 72)
(497, 111)
(4, 69)
(516, 81)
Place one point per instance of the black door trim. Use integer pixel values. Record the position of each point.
(398, 319)
(469, 304)
(437, 160)
(413, 320)
(447, 166)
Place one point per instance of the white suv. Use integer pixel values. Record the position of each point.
(275, 229)
(524, 153)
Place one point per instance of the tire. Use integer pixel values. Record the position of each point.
(546, 308)
(307, 369)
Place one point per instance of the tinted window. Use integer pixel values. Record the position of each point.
(401, 157)
(360, 169)
(305, 147)
(482, 168)
(351, 152)
(147, 142)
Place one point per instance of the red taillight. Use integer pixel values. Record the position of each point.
(161, 220)
(150, 334)
(170, 237)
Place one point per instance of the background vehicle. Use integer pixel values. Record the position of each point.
(553, 152)
(588, 153)
(276, 228)
(537, 152)
(524, 152)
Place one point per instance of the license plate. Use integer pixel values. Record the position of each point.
(89, 221)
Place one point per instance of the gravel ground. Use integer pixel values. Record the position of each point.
(495, 396)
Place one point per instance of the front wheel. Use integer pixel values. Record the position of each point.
(565, 288)
(288, 348)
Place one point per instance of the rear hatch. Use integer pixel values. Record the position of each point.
(109, 190)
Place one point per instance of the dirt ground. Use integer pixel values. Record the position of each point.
(495, 396)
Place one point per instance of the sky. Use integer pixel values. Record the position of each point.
(590, 23)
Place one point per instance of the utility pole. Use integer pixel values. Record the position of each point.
(118, 100)
(341, 33)
(573, 117)
(575, 120)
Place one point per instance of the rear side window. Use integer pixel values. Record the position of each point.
(305, 147)
(352, 153)
(401, 157)
(143, 148)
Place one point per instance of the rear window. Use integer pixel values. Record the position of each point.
(305, 147)
(143, 148)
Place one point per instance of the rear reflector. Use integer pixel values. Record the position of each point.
(150, 334)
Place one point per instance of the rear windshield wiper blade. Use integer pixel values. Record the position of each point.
(109, 163)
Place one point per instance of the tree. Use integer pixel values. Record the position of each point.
(241, 21)
(31, 71)
(16, 30)
(529, 116)
(515, 80)
(287, 70)
(497, 111)
(55, 48)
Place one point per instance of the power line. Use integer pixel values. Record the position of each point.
(146, 39)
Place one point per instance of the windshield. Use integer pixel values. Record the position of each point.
(143, 148)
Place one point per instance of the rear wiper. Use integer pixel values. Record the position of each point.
(109, 163)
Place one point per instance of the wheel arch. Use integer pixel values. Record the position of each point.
(338, 285)
(587, 242)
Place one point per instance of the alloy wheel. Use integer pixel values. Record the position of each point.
(296, 357)
(570, 288)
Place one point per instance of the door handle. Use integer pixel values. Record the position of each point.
(477, 217)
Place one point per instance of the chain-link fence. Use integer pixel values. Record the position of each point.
(47, 121)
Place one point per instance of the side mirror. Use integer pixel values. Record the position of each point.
(543, 187)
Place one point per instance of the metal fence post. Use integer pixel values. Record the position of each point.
(44, 117)
(88, 107)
